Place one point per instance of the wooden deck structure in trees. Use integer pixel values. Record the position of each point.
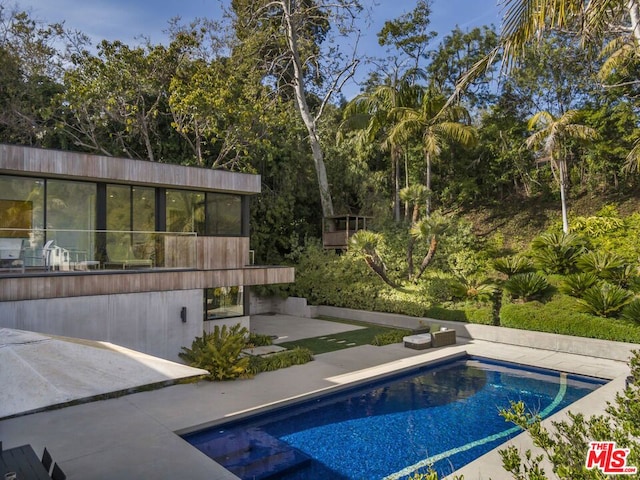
(337, 230)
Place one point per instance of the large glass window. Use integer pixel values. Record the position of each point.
(21, 220)
(71, 216)
(130, 224)
(223, 302)
(224, 214)
(185, 211)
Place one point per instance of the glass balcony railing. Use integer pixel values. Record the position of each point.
(82, 250)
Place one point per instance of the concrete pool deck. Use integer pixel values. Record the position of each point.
(134, 436)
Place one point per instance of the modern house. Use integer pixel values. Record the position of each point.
(141, 254)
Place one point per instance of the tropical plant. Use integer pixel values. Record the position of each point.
(551, 136)
(436, 123)
(604, 300)
(472, 288)
(415, 195)
(512, 265)
(364, 244)
(526, 286)
(631, 311)
(430, 229)
(602, 264)
(557, 252)
(576, 284)
(219, 352)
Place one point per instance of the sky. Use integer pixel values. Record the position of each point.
(128, 20)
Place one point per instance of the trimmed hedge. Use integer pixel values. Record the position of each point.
(559, 316)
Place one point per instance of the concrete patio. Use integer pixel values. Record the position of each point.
(135, 436)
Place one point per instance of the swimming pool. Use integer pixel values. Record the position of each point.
(445, 415)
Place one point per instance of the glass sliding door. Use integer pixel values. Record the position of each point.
(71, 217)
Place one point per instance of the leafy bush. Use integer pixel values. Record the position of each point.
(526, 286)
(258, 340)
(387, 338)
(565, 446)
(219, 352)
(276, 361)
(557, 252)
(473, 289)
(575, 284)
(513, 265)
(560, 315)
(631, 311)
(602, 264)
(605, 300)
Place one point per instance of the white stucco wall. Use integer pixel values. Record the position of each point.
(147, 322)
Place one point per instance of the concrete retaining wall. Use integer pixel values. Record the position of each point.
(147, 322)
(620, 351)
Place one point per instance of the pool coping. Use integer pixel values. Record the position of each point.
(135, 436)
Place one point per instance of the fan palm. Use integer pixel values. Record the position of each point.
(551, 135)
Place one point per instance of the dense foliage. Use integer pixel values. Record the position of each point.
(219, 95)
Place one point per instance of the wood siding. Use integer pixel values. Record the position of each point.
(222, 252)
(63, 285)
(20, 160)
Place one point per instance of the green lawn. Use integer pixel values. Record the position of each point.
(339, 341)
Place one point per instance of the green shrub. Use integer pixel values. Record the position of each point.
(513, 265)
(560, 315)
(601, 264)
(605, 300)
(557, 252)
(575, 284)
(387, 338)
(258, 340)
(631, 311)
(219, 352)
(276, 361)
(473, 289)
(527, 286)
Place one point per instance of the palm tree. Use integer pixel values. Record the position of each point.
(364, 244)
(416, 195)
(525, 21)
(551, 135)
(435, 123)
(373, 114)
(430, 228)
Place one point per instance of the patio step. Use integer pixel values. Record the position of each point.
(254, 454)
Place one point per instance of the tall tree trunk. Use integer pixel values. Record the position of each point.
(303, 108)
(562, 169)
(427, 181)
(433, 245)
(395, 160)
(634, 13)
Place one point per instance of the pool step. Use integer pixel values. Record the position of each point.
(254, 454)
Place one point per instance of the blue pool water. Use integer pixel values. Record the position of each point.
(444, 415)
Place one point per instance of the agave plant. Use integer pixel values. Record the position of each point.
(526, 286)
(602, 264)
(604, 300)
(513, 265)
(576, 284)
(558, 252)
(632, 311)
